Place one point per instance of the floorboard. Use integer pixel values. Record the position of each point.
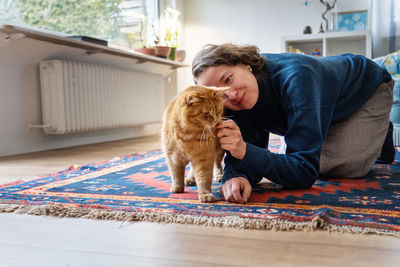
(48, 241)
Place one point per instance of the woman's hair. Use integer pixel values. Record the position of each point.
(227, 54)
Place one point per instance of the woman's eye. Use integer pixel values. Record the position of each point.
(228, 79)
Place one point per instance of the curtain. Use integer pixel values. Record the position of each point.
(385, 26)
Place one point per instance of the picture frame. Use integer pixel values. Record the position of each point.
(349, 21)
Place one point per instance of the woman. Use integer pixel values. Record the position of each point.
(332, 111)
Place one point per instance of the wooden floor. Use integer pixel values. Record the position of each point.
(29, 165)
(47, 241)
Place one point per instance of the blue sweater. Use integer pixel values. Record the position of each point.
(299, 97)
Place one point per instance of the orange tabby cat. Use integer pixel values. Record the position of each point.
(189, 135)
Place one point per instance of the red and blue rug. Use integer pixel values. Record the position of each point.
(136, 188)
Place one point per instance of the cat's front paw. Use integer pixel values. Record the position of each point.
(206, 198)
(177, 189)
(218, 174)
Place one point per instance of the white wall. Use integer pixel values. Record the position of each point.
(257, 22)
(20, 99)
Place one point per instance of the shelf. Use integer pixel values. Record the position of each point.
(320, 36)
(331, 43)
(17, 32)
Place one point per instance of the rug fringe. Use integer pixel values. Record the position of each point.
(59, 210)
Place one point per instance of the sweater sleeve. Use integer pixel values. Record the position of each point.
(297, 168)
(308, 121)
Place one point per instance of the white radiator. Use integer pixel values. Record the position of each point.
(78, 97)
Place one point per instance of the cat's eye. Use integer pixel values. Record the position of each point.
(206, 115)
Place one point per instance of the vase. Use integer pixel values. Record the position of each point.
(172, 54)
(180, 55)
(147, 51)
(163, 51)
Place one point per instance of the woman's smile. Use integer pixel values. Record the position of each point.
(241, 100)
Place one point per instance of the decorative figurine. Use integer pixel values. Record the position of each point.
(316, 53)
(321, 29)
(328, 7)
(307, 30)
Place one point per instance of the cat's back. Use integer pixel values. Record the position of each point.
(169, 124)
(172, 114)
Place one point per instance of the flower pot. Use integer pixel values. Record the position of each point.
(172, 54)
(147, 51)
(180, 55)
(163, 51)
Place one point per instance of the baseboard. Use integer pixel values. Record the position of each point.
(50, 142)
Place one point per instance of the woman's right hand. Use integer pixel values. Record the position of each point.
(231, 139)
(237, 190)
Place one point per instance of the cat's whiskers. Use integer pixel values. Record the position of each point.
(203, 137)
(210, 129)
(206, 135)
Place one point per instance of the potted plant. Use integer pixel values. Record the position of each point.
(171, 39)
(137, 42)
(161, 51)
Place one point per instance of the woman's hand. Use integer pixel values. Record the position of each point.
(236, 190)
(231, 139)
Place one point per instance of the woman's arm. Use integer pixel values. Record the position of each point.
(297, 168)
(308, 121)
(237, 184)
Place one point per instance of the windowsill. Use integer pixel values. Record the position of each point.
(17, 32)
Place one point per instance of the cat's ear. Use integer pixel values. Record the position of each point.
(220, 91)
(194, 99)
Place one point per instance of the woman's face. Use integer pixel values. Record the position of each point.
(243, 88)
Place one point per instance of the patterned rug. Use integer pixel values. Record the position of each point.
(136, 188)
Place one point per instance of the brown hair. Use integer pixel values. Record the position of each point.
(228, 54)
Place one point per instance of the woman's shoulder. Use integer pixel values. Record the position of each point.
(287, 57)
(287, 66)
(289, 61)
(302, 59)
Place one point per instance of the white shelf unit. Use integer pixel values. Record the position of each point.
(331, 43)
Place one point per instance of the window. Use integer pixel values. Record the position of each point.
(128, 23)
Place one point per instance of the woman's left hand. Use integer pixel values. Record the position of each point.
(231, 139)
(237, 190)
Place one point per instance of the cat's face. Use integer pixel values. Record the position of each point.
(203, 106)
